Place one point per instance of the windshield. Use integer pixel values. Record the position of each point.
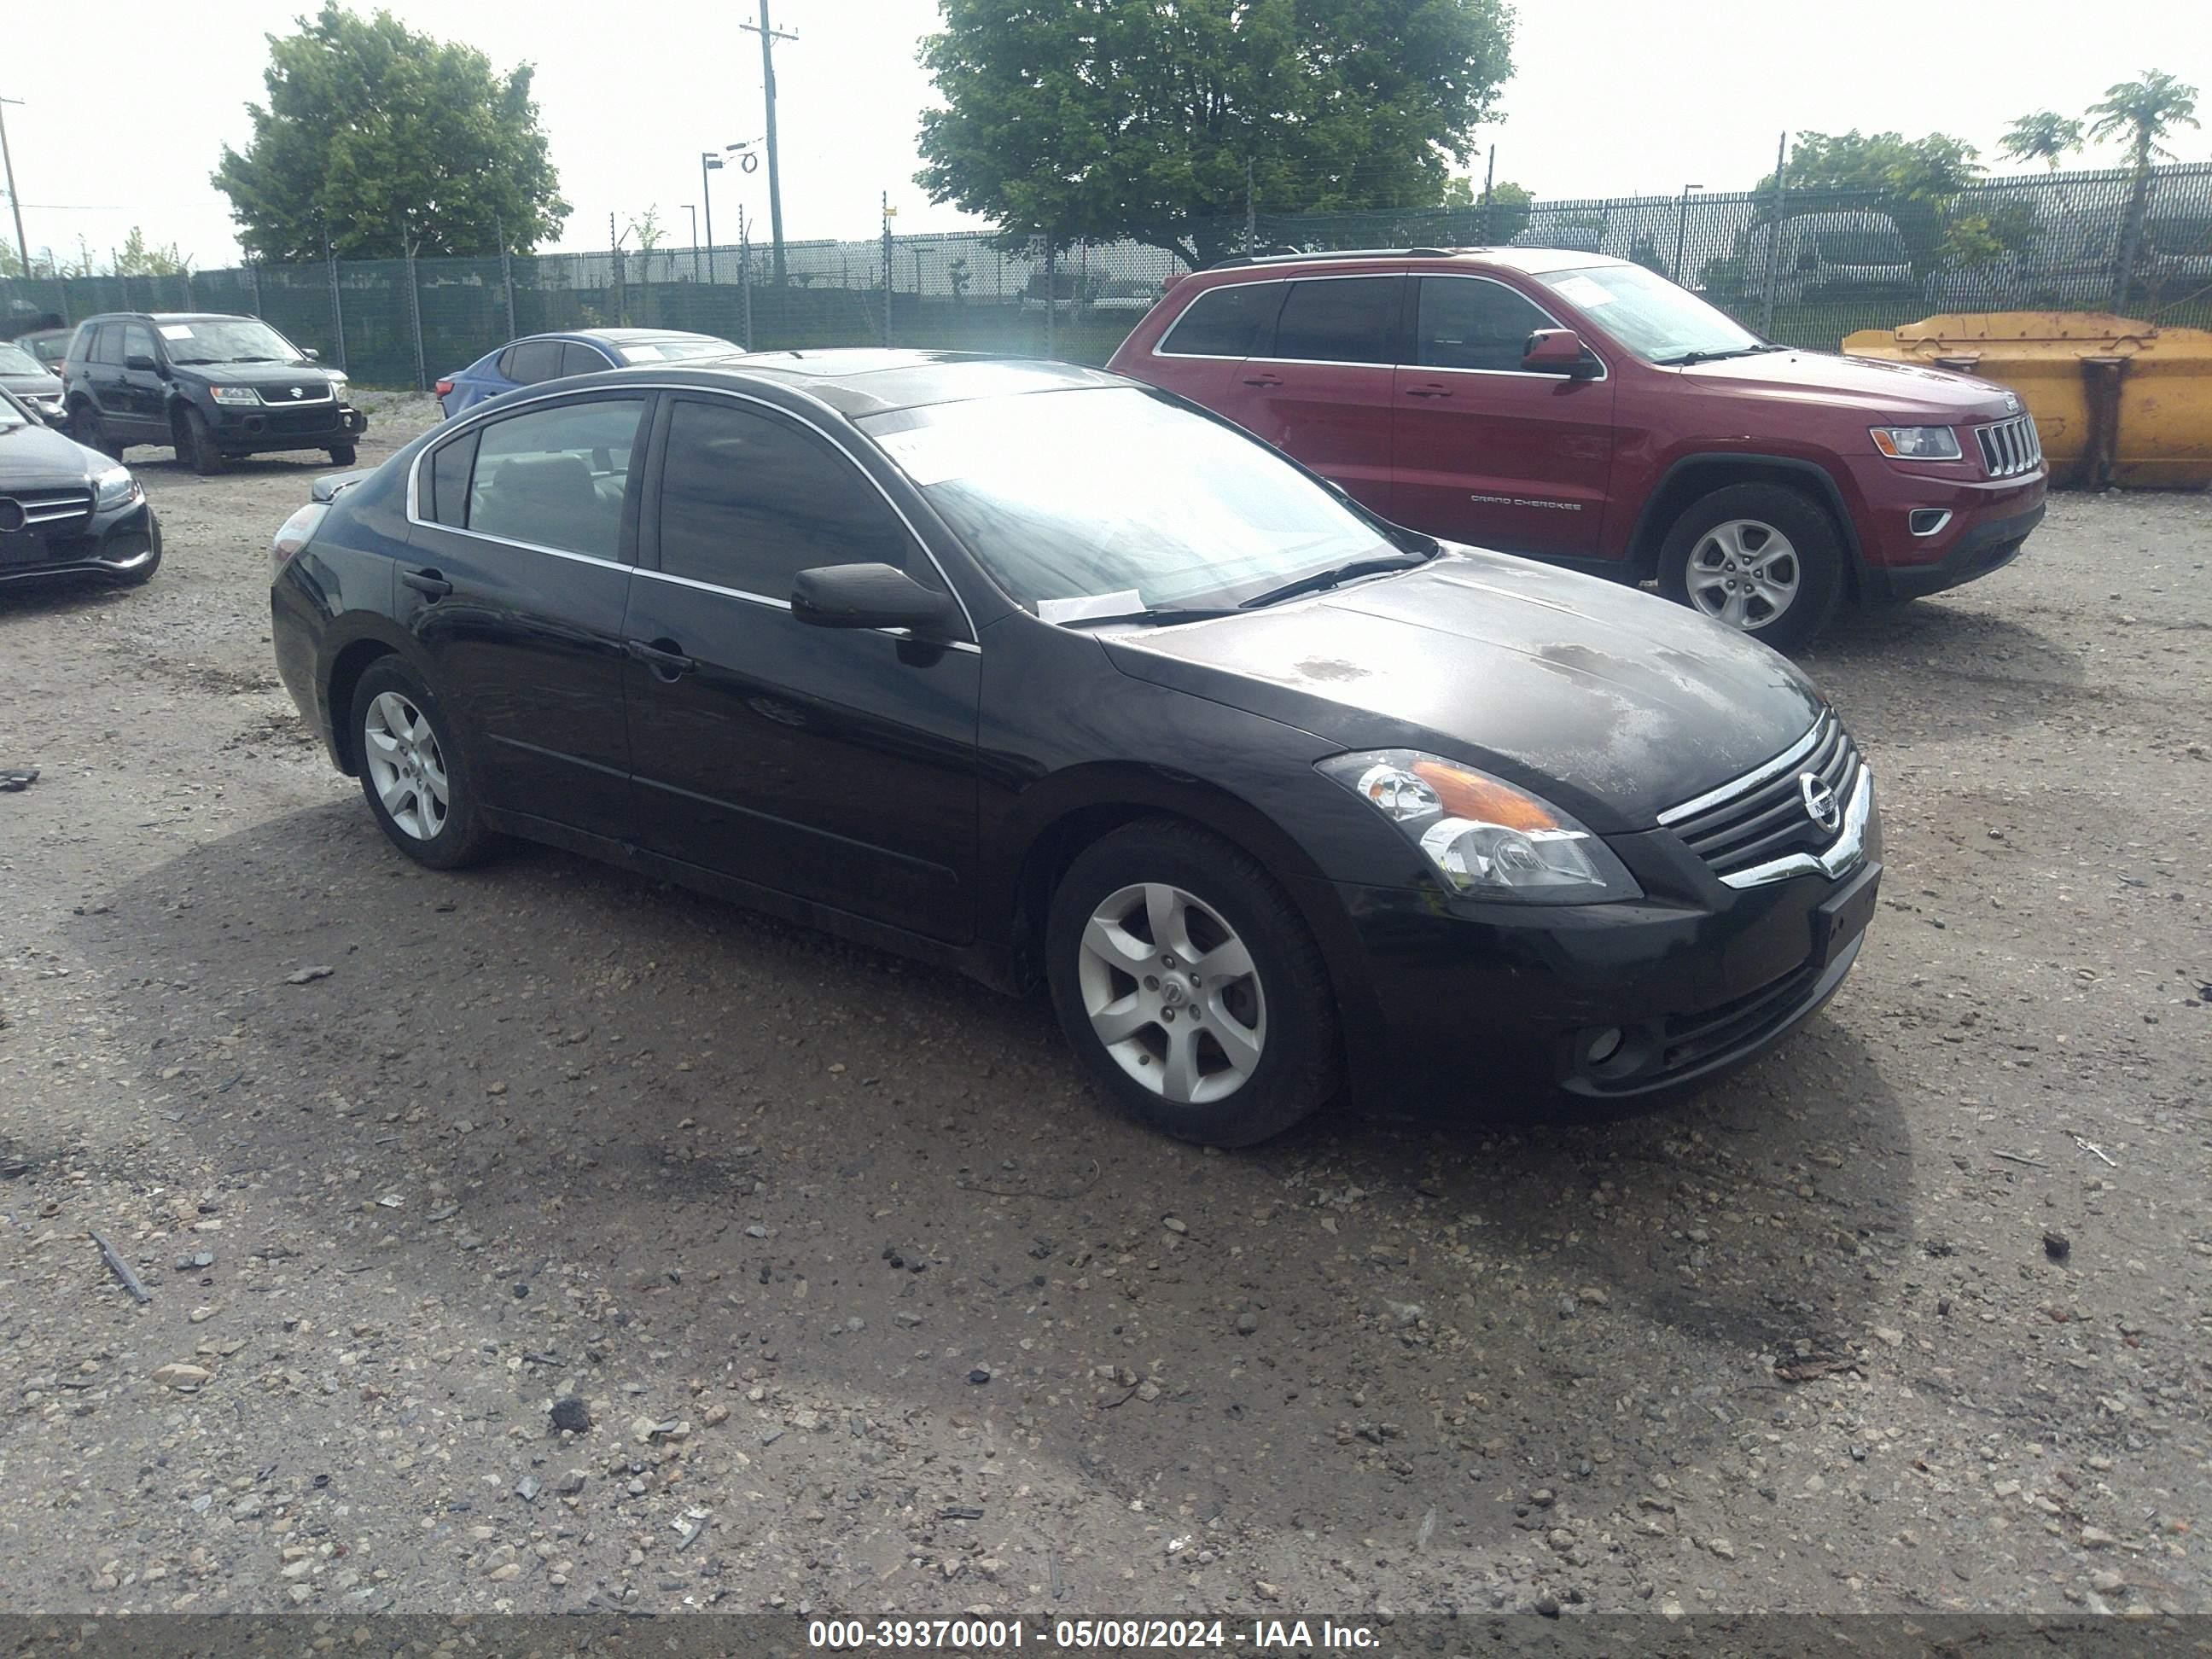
(1645, 313)
(1120, 497)
(226, 340)
(1862, 247)
(12, 414)
(14, 360)
(663, 351)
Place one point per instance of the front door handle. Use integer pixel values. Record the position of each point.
(427, 581)
(1263, 380)
(1428, 392)
(664, 657)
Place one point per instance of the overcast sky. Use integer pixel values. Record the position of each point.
(1609, 97)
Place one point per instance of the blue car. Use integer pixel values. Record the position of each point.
(539, 357)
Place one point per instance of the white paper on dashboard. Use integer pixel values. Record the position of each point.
(1091, 605)
(176, 331)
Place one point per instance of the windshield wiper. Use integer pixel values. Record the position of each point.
(1689, 357)
(1156, 616)
(1320, 581)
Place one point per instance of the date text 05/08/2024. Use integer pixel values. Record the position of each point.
(976, 1634)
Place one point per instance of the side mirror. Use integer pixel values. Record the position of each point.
(139, 363)
(311, 353)
(868, 596)
(1558, 351)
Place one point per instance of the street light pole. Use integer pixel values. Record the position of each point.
(709, 162)
(769, 35)
(1681, 225)
(15, 201)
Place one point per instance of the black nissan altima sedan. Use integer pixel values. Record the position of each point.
(1035, 672)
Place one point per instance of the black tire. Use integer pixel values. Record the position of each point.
(195, 445)
(1286, 997)
(459, 838)
(88, 430)
(342, 454)
(1816, 548)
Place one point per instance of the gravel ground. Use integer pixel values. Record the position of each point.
(870, 1307)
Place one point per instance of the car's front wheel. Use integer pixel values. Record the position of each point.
(412, 770)
(1761, 558)
(195, 445)
(342, 454)
(1189, 985)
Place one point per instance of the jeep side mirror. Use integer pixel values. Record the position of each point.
(1559, 351)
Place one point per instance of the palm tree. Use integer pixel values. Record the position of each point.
(2042, 137)
(2143, 112)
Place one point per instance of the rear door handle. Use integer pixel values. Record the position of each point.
(1263, 380)
(427, 581)
(662, 656)
(1428, 392)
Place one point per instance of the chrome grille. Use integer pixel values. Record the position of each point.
(46, 512)
(1761, 816)
(2010, 448)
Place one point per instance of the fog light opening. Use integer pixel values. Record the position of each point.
(1929, 520)
(1603, 1045)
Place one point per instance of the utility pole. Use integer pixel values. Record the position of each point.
(1774, 236)
(769, 35)
(709, 162)
(8, 161)
(691, 210)
(887, 267)
(1489, 182)
(1681, 225)
(1251, 214)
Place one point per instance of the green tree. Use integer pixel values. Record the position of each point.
(2145, 114)
(384, 138)
(135, 258)
(2041, 136)
(1914, 182)
(1094, 119)
(1508, 214)
(648, 230)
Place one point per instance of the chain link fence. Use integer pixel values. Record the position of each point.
(1806, 267)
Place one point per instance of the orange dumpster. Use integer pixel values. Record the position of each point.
(2117, 400)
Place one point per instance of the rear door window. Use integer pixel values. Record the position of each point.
(536, 361)
(1226, 322)
(1470, 322)
(1340, 319)
(557, 477)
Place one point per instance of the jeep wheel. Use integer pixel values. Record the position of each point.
(195, 445)
(1761, 558)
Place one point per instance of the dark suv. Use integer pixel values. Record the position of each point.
(1585, 410)
(214, 387)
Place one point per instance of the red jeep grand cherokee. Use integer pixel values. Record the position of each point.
(1583, 410)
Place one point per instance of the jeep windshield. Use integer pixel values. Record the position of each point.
(1651, 317)
(225, 340)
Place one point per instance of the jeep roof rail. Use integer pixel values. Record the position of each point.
(1337, 253)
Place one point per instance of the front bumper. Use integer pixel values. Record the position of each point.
(256, 430)
(1611, 1002)
(1980, 525)
(1972, 549)
(116, 545)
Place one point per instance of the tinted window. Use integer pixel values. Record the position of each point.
(1226, 322)
(1466, 323)
(582, 359)
(504, 364)
(555, 477)
(449, 481)
(1349, 319)
(107, 344)
(139, 342)
(748, 501)
(536, 361)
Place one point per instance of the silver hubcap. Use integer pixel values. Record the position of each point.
(1172, 992)
(1743, 573)
(405, 765)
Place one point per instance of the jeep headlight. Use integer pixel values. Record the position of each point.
(115, 488)
(1482, 836)
(234, 395)
(1915, 443)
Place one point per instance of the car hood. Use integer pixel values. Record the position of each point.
(45, 384)
(1608, 702)
(32, 455)
(1882, 389)
(276, 380)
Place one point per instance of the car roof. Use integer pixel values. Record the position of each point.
(861, 380)
(1530, 261)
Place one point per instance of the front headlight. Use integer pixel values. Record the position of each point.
(1482, 836)
(234, 395)
(338, 380)
(1915, 443)
(114, 489)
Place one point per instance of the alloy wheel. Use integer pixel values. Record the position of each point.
(1172, 993)
(1743, 573)
(406, 766)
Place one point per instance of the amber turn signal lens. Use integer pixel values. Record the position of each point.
(1484, 801)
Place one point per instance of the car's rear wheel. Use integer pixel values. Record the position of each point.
(88, 430)
(195, 445)
(1189, 985)
(1761, 558)
(342, 454)
(412, 770)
